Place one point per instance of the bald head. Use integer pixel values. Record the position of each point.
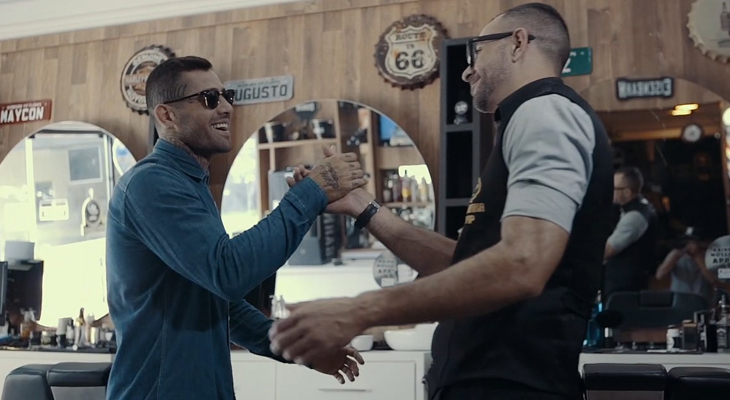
(545, 23)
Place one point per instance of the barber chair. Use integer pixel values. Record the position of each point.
(655, 308)
(693, 383)
(624, 381)
(62, 381)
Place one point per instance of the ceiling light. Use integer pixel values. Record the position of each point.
(687, 107)
(677, 113)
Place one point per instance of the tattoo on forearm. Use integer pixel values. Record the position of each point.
(330, 176)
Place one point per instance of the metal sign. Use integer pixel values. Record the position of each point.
(580, 62)
(133, 81)
(627, 89)
(262, 90)
(407, 54)
(29, 111)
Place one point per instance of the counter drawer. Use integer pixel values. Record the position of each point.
(377, 381)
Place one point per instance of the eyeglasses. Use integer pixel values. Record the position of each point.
(209, 97)
(471, 55)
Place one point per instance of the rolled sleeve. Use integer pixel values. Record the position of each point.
(548, 147)
(628, 230)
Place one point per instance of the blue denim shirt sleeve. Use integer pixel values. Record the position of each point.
(197, 245)
(250, 329)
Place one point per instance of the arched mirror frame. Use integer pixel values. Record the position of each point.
(72, 267)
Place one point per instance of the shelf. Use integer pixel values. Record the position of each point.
(460, 128)
(296, 143)
(408, 204)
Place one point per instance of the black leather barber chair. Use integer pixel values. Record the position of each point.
(624, 381)
(62, 381)
(695, 383)
(28, 382)
(655, 308)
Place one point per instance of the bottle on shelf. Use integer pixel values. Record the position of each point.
(405, 187)
(423, 191)
(415, 194)
(594, 336)
(723, 345)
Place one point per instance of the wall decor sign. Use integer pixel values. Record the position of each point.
(28, 111)
(627, 89)
(407, 54)
(135, 74)
(709, 28)
(262, 90)
(580, 62)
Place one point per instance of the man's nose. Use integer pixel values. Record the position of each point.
(224, 107)
(468, 72)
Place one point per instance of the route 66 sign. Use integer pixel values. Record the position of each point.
(407, 54)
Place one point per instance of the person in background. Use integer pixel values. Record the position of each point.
(176, 279)
(631, 247)
(687, 267)
(513, 295)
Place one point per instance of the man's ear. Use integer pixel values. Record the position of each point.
(519, 43)
(165, 115)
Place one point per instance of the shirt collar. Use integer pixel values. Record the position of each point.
(511, 103)
(180, 158)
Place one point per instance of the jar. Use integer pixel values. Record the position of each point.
(674, 340)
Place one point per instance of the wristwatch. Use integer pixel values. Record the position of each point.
(364, 218)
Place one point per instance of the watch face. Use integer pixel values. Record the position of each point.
(692, 133)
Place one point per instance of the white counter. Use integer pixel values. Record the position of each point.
(386, 375)
(669, 360)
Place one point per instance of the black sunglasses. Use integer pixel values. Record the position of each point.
(209, 97)
(471, 55)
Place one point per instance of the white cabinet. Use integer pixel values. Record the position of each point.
(386, 375)
(377, 381)
(254, 379)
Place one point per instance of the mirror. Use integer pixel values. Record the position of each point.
(680, 151)
(54, 187)
(397, 172)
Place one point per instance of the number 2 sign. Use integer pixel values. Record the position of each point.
(407, 55)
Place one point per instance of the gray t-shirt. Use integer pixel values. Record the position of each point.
(687, 278)
(548, 149)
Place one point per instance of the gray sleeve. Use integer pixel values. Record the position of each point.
(548, 148)
(628, 230)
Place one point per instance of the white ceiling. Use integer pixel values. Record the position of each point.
(27, 18)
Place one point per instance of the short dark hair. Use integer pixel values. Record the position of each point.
(165, 82)
(548, 27)
(633, 178)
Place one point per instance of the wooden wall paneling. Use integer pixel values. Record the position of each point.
(328, 46)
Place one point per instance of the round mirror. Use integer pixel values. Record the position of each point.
(398, 177)
(55, 186)
(398, 174)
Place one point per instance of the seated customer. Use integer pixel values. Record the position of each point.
(687, 267)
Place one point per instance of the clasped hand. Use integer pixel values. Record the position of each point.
(336, 174)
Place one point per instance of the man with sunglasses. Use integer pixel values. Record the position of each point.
(514, 293)
(176, 280)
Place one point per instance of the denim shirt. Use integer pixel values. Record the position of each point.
(175, 279)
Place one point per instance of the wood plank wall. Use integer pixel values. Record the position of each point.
(328, 46)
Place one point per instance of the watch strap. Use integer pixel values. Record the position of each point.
(364, 218)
